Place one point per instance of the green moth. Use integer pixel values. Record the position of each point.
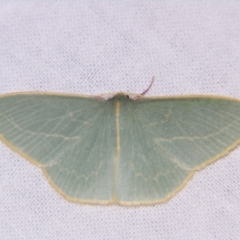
(121, 149)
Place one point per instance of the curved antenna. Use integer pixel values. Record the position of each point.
(144, 92)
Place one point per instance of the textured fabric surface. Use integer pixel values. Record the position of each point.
(91, 48)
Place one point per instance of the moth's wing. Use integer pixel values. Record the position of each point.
(165, 140)
(71, 138)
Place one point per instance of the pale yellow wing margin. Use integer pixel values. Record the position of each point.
(68, 137)
(165, 140)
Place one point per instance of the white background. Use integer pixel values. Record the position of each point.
(191, 47)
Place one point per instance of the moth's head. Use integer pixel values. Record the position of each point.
(122, 95)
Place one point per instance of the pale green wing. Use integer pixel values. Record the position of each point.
(120, 150)
(163, 141)
(71, 138)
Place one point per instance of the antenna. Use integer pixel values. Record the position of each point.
(144, 92)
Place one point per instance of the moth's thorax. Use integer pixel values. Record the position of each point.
(121, 95)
